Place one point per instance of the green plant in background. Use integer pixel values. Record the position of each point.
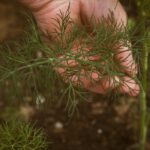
(142, 38)
(144, 19)
(142, 34)
(17, 135)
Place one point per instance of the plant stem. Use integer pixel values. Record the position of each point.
(144, 68)
(143, 104)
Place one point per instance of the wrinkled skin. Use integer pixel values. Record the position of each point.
(81, 12)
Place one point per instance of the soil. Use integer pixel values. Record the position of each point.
(98, 123)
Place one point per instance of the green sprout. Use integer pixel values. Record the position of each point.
(17, 135)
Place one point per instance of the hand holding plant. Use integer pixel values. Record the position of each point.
(56, 19)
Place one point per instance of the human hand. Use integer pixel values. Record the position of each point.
(81, 12)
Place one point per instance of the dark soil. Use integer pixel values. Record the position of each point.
(99, 124)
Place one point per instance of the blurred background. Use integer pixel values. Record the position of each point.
(99, 122)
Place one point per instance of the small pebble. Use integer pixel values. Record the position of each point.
(58, 126)
(39, 54)
(40, 99)
(99, 131)
(27, 111)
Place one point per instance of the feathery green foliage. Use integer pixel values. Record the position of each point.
(17, 135)
(34, 62)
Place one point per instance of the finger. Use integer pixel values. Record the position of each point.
(85, 51)
(53, 16)
(59, 18)
(67, 63)
(83, 79)
(93, 11)
(123, 55)
(75, 57)
(129, 86)
(94, 83)
(106, 84)
(60, 70)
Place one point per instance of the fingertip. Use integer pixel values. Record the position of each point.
(59, 70)
(110, 82)
(135, 91)
(123, 54)
(95, 76)
(129, 86)
(105, 85)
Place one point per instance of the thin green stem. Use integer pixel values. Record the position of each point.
(144, 68)
(143, 126)
(143, 104)
(26, 67)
